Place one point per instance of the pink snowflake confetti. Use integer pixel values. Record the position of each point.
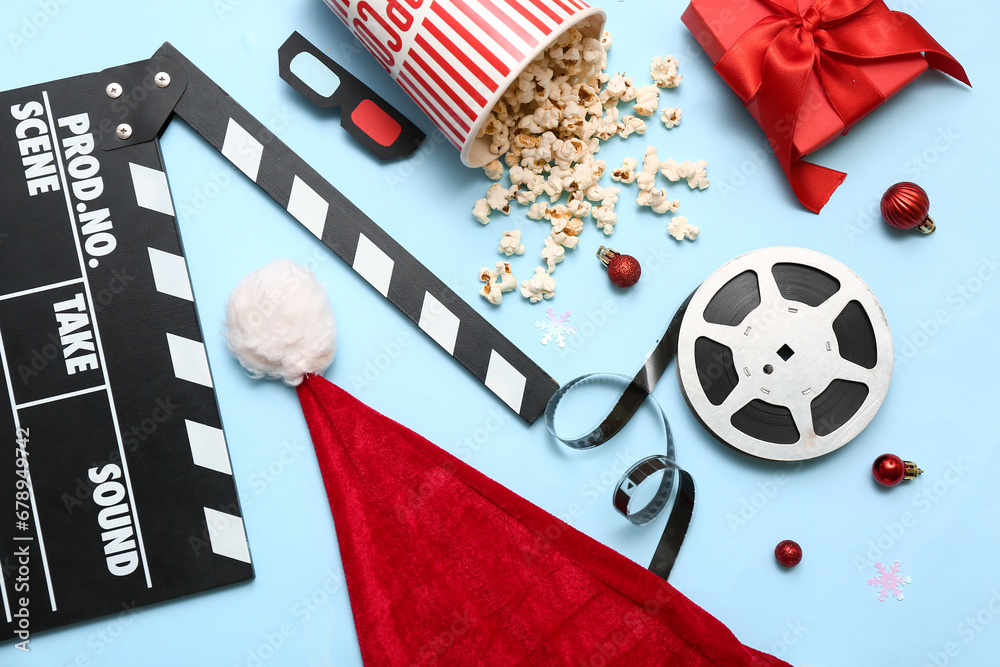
(889, 581)
(556, 327)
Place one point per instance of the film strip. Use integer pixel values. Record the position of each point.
(129, 493)
(674, 486)
(392, 271)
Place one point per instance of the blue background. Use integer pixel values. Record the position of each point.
(940, 294)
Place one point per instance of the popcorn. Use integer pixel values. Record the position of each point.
(493, 291)
(595, 192)
(630, 125)
(518, 174)
(508, 283)
(481, 211)
(490, 291)
(610, 197)
(580, 208)
(631, 92)
(585, 175)
(651, 161)
(671, 170)
(571, 227)
(570, 151)
(647, 100)
(606, 40)
(538, 210)
(510, 243)
(553, 253)
(607, 126)
(533, 184)
(539, 286)
(617, 86)
(625, 173)
(698, 177)
(679, 228)
(494, 170)
(660, 204)
(671, 117)
(664, 72)
(555, 184)
(559, 213)
(696, 173)
(606, 219)
(645, 181)
(498, 197)
(566, 240)
(605, 213)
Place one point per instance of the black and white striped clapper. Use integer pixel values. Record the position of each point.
(377, 257)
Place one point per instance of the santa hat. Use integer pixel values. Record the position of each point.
(443, 565)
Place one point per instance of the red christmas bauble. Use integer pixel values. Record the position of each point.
(906, 206)
(889, 470)
(624, 270)
(788, 553)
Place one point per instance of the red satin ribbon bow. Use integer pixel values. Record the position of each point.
(774, 59)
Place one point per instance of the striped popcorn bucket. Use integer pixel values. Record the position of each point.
(456, 58)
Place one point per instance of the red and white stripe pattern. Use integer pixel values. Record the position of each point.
(464, 51)
(340, 7)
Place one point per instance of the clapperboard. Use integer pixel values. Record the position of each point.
(112, 419)
(131, 495)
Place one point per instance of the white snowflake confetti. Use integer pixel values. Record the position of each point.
(889, 581)
(556, 327)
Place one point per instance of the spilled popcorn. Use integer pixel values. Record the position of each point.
(510, 243)
(498, 281)
(670, 117)
(547, 129)
(680, 229)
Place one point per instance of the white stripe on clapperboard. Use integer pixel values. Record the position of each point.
(104, 364)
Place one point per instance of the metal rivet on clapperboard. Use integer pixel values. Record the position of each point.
(124, 131)
(113, 90)
(162, 80)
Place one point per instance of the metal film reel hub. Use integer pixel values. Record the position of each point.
(784, 353)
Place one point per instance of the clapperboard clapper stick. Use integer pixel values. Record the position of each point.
(354, 237)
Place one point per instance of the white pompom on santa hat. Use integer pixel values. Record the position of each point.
(279, 323)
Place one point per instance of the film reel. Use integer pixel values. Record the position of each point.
(784, 353)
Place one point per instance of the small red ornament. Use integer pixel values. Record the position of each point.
(624, 270)
(905, 206)
(890, 470)
(788, 553)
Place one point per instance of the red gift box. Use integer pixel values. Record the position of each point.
(808, 70)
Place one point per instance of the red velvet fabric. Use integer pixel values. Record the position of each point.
(444, 566)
